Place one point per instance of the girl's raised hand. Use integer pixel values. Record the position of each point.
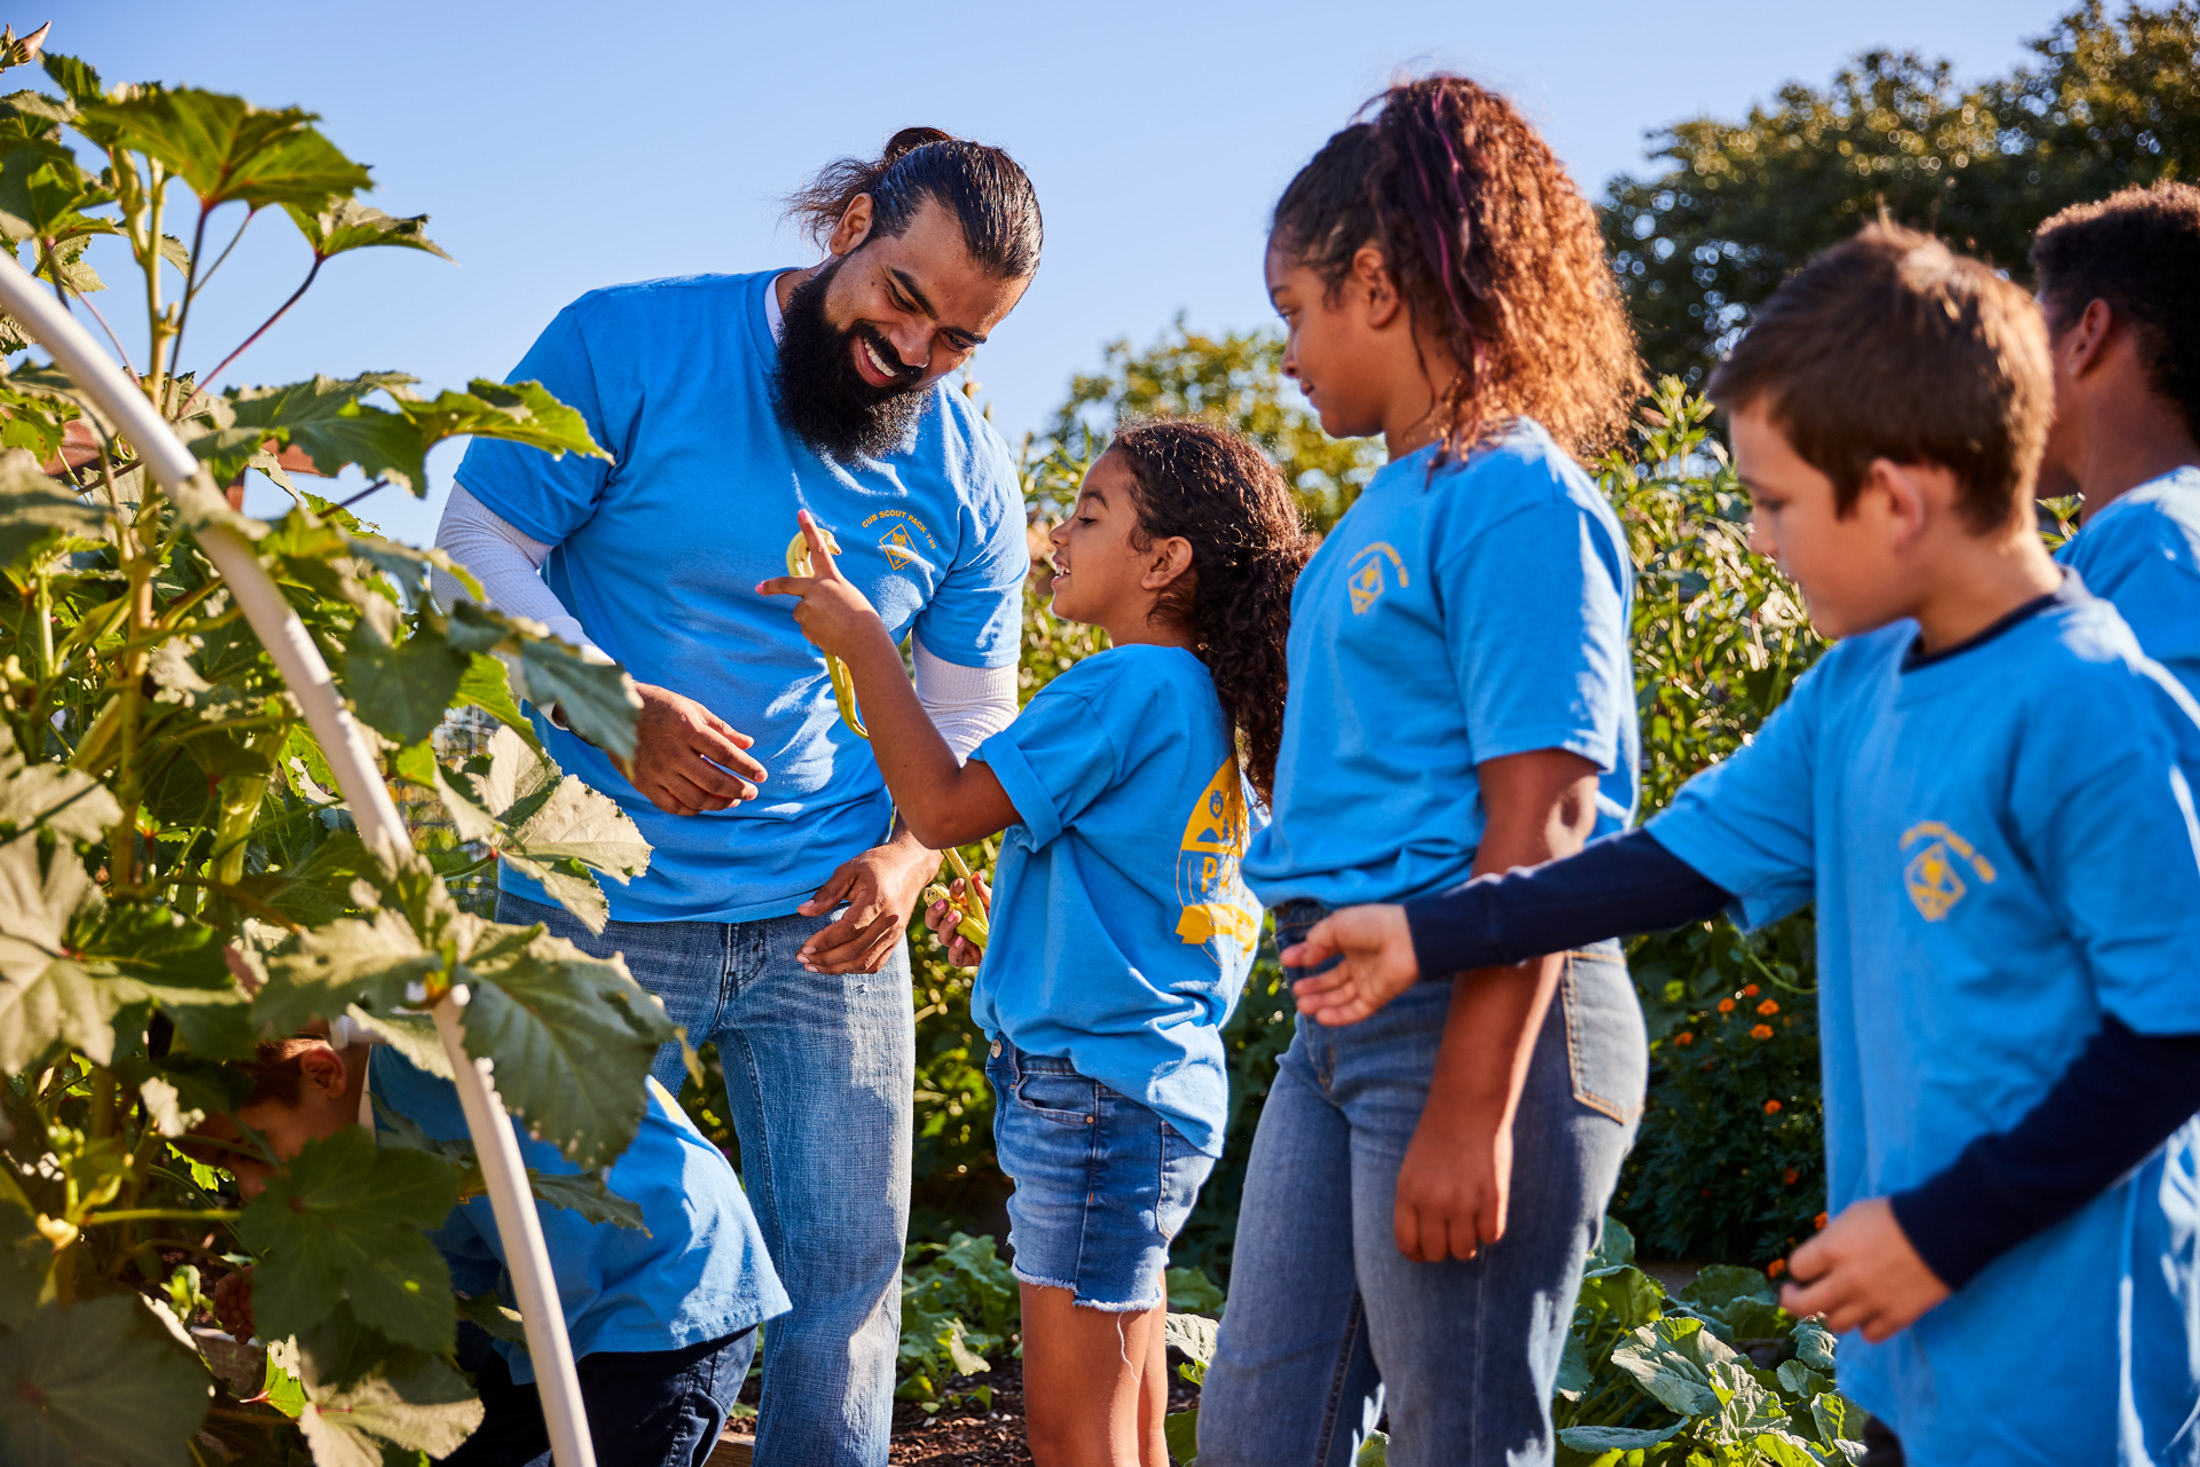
(1376, 964)
(832, 613)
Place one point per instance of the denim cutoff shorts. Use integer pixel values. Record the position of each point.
(1102, 1182)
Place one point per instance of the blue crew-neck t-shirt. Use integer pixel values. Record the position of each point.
(2141, 551)
(698, 1272)
(2003, 847)
(1448, 619)
(659, 552)
(1122, 930)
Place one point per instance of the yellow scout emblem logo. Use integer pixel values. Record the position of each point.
(1366, 581)
(901, 551)
(1934, 877)
(1207, 865)
(906, 539)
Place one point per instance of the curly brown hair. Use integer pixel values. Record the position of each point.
(1494, 250)
(1215, 489)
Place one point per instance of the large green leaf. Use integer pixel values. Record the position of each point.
(519, 412)
(227, 149)
(488, 687)
(586, 1193)
(66, 801)
(1618, 1438)
(572, 1038)
(417, 1404)
(154, 952)
(47, 994)
(344, 1220)
(1672, 1359)
(596, 699)
(43, 195)
(403, 690)
(33, 508)
(348, 224)
(556, 830)
(377, 960)
(325, 418)
(105, 1383)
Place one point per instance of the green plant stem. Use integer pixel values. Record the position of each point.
(161, 1214)
(208, 380)
(190, 278)
(242, 898)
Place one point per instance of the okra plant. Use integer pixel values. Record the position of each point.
(179, 878)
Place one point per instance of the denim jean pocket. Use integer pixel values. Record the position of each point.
(1058, 1095)
(1607, 1047)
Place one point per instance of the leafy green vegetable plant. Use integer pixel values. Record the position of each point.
(178, 878)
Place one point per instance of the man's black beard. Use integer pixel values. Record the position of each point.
(819, 393)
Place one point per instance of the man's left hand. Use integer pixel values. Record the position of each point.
(1862, 1273)
(880, 888)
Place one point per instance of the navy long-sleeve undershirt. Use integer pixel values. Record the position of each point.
(2123, 1095)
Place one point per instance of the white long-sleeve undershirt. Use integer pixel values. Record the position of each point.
(967, 704)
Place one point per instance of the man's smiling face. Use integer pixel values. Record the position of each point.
(884, 319)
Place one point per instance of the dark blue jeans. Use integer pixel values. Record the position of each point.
(1328, 1320)
(820, 1068)
(652, 1408)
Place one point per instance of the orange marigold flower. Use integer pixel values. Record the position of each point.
(1772, 1107)
(1768, 1008)
(1726, 1005)
(1818, 1221)
(1749, 990)
(1775, 1268)
(1760, 1031)
(1684, 1037)
(1787, 1178)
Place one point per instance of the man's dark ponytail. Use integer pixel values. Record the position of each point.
(985, 189)
(1215, 489)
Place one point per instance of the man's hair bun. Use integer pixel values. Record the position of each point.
(909, 139)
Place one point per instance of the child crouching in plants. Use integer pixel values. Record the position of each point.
(1122, 933)
(662, 1318)
(1986, 788)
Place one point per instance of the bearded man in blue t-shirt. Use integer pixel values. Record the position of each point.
(772, 917)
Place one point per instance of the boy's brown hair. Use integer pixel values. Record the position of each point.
(2139, 250)
(1891, 345)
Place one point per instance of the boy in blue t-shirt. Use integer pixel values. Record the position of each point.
(2117, 282)
(662, 1318)
(1986, 789)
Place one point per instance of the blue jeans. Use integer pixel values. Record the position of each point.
(655, 1408)
(820, 1068)
(1328, 1320)
(1102, 1182)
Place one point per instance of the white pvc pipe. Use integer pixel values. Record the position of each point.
(307, 676)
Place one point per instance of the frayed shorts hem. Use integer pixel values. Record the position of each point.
(1097, 1305)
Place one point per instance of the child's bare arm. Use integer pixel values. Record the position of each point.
(943, 801)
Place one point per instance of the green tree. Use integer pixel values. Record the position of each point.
(2106, 101)
(1237, 379)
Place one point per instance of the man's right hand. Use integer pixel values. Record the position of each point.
(679, 748)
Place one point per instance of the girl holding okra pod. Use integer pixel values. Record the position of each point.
(1122, 932)
(1423, 1186)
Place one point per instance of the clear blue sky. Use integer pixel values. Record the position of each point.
(560, 147)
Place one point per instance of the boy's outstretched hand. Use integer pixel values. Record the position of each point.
(832, 613)
(1378, 963)
(1862, 1273)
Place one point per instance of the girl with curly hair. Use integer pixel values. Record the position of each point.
(1123, 932)
(1425, 1184)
